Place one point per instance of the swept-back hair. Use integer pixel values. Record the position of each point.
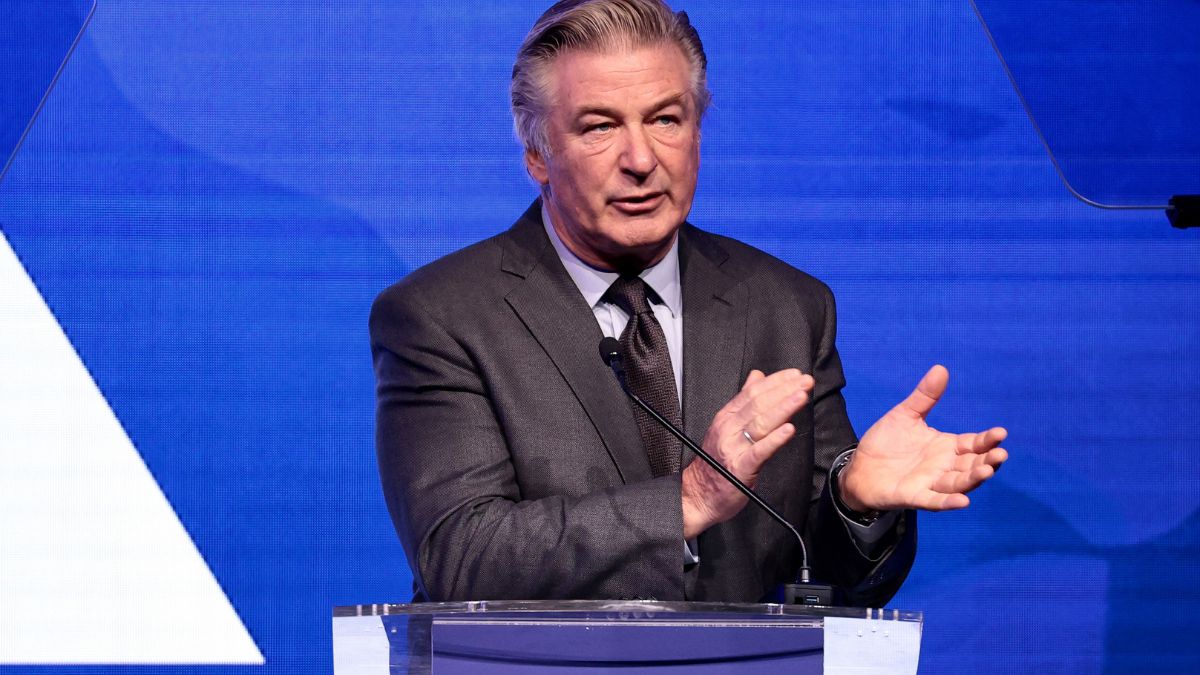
(599, 26)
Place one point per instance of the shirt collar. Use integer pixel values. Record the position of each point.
(663, 277)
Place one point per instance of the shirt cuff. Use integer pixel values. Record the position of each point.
(870, 534)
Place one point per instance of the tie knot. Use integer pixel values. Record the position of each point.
(629, 293)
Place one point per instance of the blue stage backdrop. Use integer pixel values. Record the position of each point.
(214, 193)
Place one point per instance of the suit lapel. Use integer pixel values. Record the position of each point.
(714, 330)
(714, 337)
(551, 307)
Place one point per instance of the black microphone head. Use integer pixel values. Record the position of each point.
(610, 348)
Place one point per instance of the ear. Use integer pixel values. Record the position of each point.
(536, 166)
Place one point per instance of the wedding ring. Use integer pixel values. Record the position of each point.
(747, 436)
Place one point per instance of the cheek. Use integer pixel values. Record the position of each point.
(588, 187)
(684, 160)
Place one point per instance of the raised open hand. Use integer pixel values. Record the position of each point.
(903, 463)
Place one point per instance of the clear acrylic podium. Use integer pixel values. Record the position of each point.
(586, 636)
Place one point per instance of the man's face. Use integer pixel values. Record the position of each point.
(624, 140)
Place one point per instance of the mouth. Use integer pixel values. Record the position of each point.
(637, 204)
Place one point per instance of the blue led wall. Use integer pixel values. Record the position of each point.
(214, 193)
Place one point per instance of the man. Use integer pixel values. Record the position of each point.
(513, 464)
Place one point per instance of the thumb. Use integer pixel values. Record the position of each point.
(928, 391)
(755, 376)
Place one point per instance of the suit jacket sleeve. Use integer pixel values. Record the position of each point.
(452, 489)
(865, 579)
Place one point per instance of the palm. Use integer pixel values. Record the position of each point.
(902, 462)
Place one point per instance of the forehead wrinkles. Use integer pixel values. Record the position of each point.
(664, 76)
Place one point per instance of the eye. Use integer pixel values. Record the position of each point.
(598, 128)
(666, 121)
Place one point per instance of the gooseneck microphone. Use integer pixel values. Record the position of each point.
(804, 592)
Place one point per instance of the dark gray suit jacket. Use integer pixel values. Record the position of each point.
(511, 460)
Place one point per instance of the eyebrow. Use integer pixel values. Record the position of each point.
(674, 99)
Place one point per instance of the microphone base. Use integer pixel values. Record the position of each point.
(813, 595)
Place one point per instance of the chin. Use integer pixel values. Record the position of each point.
(649, 229)
(643, 245)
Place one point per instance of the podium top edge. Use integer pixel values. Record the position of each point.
(622, 609)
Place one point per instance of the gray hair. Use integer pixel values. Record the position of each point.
(596, 25)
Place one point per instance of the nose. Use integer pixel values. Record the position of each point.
(637, 157)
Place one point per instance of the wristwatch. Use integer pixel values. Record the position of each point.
(865, 519)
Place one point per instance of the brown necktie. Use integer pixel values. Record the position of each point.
(648, 372)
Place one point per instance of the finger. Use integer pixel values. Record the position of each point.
(756, 384)
(766, 447)
(992, 457)
(977, 477)
(928, 391)
(930, 500)
(762, 386)
(966, 443)
(741, 398)
(964, 481)
(995, 457)
(981, 443)
(989, 439)
(772, 407)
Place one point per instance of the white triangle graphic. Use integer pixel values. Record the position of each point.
(95, 566)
